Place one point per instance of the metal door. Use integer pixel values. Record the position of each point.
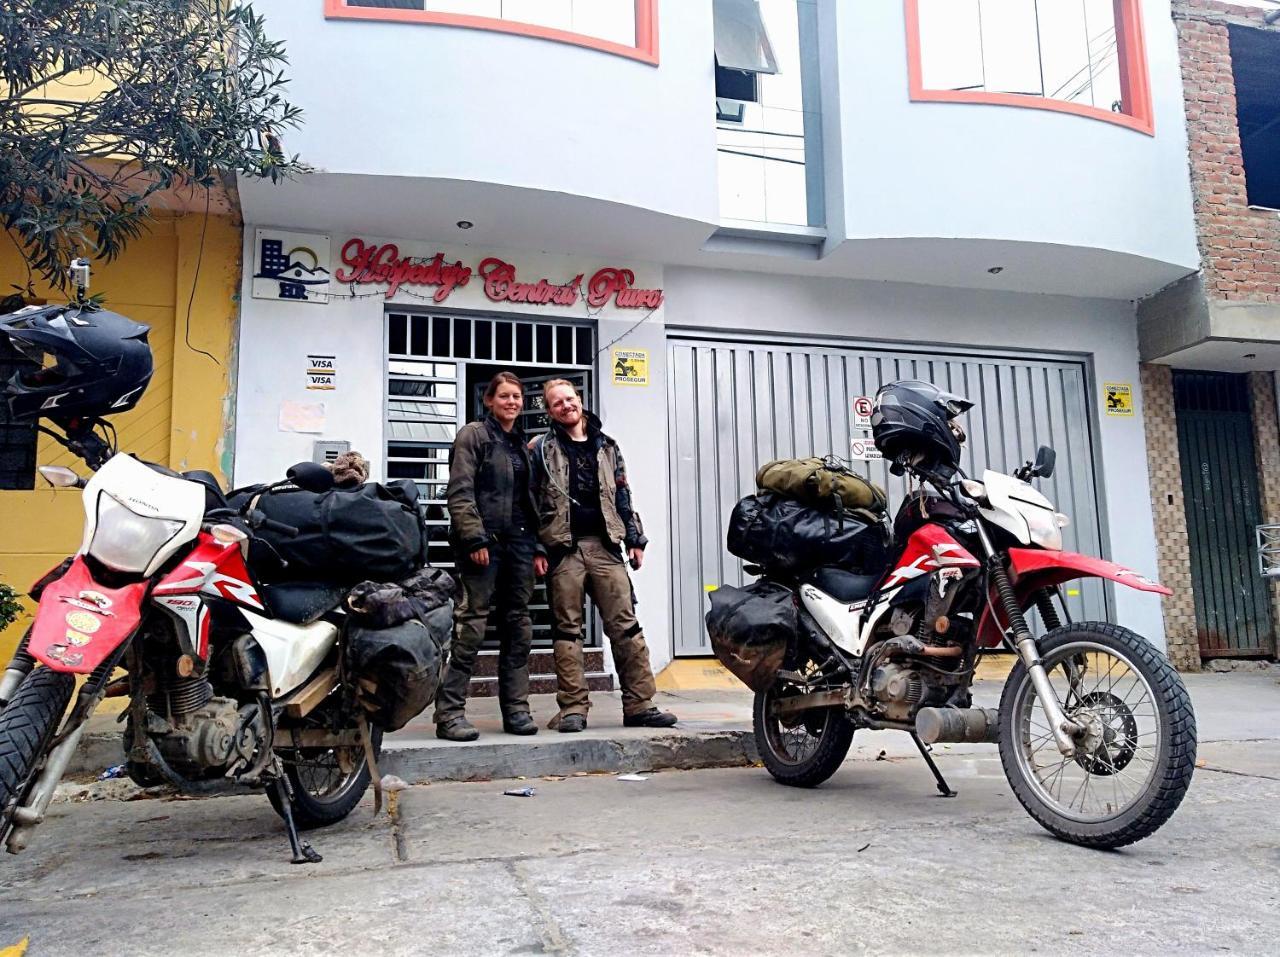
(735, 405)
(1220, 489)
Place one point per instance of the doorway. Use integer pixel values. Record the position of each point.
(1220, 488)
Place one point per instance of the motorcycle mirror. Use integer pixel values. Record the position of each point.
(310, 477)
(59, 476)
(1046, 458)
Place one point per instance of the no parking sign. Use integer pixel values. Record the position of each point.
(862, 407)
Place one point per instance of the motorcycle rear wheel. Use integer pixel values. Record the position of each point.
(804, 749)
(27, 725)
(324, 793)
(1134, 765)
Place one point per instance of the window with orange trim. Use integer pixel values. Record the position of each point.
(1086, 57)
(626, 28)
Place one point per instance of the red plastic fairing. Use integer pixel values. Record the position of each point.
(80, 622)
(1033, 569)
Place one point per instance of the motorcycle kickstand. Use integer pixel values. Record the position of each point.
(944, 789)
(303, 853)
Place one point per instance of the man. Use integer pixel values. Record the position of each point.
(585, 522)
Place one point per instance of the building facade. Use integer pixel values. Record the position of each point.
(728, 221)
(1211, 342)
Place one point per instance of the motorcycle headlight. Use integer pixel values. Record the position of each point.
(1045, 529)
(126, 541)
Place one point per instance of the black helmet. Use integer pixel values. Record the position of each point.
(89, 362)
(911, 425)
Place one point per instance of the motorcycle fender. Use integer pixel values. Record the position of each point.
(80, 622)
(1034, 568)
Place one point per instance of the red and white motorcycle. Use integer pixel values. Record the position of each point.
(230, 683)
(1096, 732)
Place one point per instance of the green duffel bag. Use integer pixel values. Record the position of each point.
(822, 483)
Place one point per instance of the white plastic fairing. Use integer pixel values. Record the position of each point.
(293, 651)
(837, 619)
(1011, 501)
(145, 498)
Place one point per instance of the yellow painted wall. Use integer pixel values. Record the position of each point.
(184, 418)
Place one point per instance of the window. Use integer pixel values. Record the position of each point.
(768, 113)
(623, 27)
(1255, 63)
(1085, 57)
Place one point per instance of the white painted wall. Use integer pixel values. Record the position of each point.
(405, 99)
(1000, 172)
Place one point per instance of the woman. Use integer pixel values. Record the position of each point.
(492, 529)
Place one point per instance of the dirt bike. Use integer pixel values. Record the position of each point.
(231, 684)
(1095, 729)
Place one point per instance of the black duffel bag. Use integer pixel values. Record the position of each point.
(752, 629)
(396, 671)
(344, 536)
(396, 644)
(788, 537)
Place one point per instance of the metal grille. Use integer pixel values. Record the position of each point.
(437, 367)
(734, 406)
(1220, 488)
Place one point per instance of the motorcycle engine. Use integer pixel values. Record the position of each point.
(204, 732)
(901, 690)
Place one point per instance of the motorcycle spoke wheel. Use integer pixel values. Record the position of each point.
(1118, 756)
(1135, 751)
(805, 748)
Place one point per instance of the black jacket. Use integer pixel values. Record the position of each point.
(482, 483)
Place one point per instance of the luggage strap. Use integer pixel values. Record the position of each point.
(366, 739)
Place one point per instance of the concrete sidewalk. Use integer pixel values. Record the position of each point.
(714, 732)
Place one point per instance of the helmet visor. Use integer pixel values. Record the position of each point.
(49, 369)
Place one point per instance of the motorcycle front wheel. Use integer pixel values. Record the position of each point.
(803, 749)
(1134, 760)
(27, 726)
(327, 783)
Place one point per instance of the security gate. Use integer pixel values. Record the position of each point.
(733, 406)
(1220, 489)
(437, 368)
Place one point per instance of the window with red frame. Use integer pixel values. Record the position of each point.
(1077, 56)
(623, 27)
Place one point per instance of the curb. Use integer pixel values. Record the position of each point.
(482, 761)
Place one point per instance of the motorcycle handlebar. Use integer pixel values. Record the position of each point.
(272, 525)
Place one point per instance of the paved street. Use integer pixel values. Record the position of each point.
(712, 861)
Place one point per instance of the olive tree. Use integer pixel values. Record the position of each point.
(106, 103)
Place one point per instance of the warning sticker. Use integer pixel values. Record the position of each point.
(630, 366)
(1118, 398)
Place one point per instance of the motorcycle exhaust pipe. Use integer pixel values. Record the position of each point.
(958, 725)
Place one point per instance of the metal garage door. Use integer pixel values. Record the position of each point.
(733, 406)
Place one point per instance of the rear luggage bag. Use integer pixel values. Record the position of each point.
(344, 535)
(788, 537)
(752, 629)
(821, 483)
(396, 645)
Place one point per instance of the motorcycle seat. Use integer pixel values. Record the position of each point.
(843, 585)
(301, 603)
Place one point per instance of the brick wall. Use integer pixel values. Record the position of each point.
(1266, 446)
(1239, 246)
(1173, 554)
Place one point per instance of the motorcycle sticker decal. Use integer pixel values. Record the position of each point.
(68, 658)
(89, 606)
(77, 638)
(83, 621)
(99, 599)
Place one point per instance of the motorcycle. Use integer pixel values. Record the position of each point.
(231, 683)
(1095, 729)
